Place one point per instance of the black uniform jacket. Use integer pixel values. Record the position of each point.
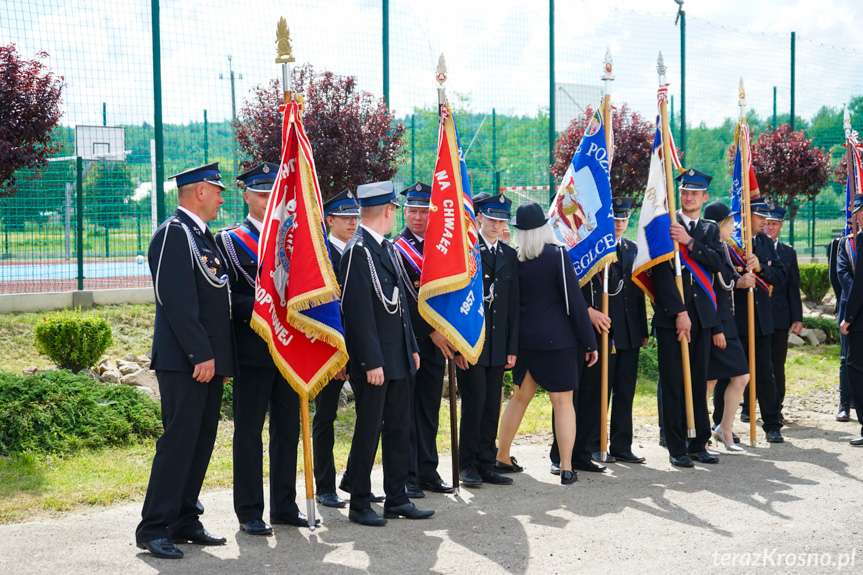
(422, 330)
(545, 324)
(785, 302)
(193, 308)
(251, 348)
(772, 272)
(375, 338)
(706, 250)
(500, 274)
(626, 306)
(855, 295)
(724, 282)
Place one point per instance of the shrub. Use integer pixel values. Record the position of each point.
(57, 412)
(828, 326)
(228, 400)
(814, 281)
(73, 340)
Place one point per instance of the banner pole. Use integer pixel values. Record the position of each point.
(285, 57)
(747, 240)
(852, 175)
(678, 275)
(603, 402)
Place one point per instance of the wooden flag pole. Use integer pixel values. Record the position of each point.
(678, 274)
(747, 240)
(440, 74)
(285, 57)
(603, 402)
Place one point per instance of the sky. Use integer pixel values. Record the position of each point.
(497, 52)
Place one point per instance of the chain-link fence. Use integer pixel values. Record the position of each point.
(513, 88)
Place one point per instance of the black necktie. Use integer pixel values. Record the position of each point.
(691, 226)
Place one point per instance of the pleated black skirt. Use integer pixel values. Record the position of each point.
(728, 362)
(553, 370)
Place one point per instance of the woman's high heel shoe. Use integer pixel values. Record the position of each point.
(568, 477)
(720, 437)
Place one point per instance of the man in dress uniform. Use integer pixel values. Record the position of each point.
(842, 267)
(342, 215)
(628, 313)
(769, 271)
(193, 355)
(785, 302)
(427, 385)
(259, 387)
(383, 355)
(851, 324)
(480, 385)
(691, 319)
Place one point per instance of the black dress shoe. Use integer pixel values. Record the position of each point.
(568, 477)
(366, 517)
(857, 442)
(590, 466)
(436, 486)
(775, 437)
(408, 511)
(162, 548)
(662, 442)
(199, 536)
(555, 468)
(331, 500)
(681, 461)
(346, 487)
(470, 477)
(842, 414)
(597, 456)
(256, 527)
(512, 467)
(628, 457)
(495, 478)
(703, 457)
(744, 416)
(297, 519)
(413, 491)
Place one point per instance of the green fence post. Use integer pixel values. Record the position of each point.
(495, 179)
(682, 79)
(206, 141)
(157, 113)
(386, 49)
(104, 114)
(775, 125)
(813, 227)
(551, 94)
(793, 58)
(79, 201)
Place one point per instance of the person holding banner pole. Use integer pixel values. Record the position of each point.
(259, 388)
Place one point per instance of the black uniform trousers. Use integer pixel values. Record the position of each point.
(671, 390)
(622, 377)
(324, 437)
(765, 385)
(257, 390)
(426, 390)
(190, 417)
(480, 389)
(381, 414)
(780, 354)
(585, 401)
(854, 366)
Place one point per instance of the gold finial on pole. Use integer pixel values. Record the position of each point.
(660, 69)
(283, 43)
(441, 80)
(741, 97)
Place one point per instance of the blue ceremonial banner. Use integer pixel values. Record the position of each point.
(742, 138)
(581, 214)
(450, 295)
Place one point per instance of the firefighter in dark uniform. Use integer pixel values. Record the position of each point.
(766, 265)
(342, 214)
(691, 319)
(628, 312)
(427, 385)
(383, 355)
(480, 385)
(851, 324)
(842, 276)
(259, 386)
(785, 302)
(194, 355)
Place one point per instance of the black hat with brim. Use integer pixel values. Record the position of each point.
(529, 216)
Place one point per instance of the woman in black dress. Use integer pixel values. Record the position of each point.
(553, 327)
(727, 359)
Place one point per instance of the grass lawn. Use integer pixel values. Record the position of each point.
(37, 484)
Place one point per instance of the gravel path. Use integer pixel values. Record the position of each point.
(751, 513)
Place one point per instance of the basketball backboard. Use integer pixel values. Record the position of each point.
(102, 143)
